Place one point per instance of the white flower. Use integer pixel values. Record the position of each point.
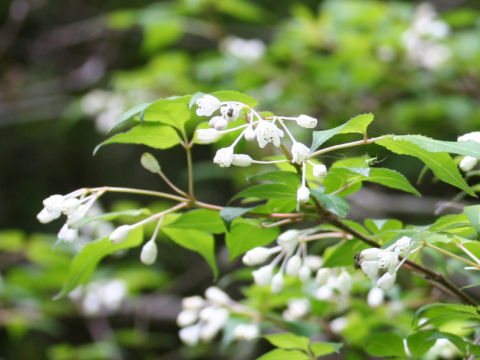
(389, 261)
(193, 302)
(319, 171)
(218, 122)
(386, 281)
(257, 255)
(297, 308)
(263, 276)
(370, 268)
(306, 121)
(207, 105)
(300, 153)
(277, 283)
(267, 132)
(322, 276)
(67, 234)
(247, 50)
(468, 163)
(337, 325)
(288, 240)
(215, 322)
(231, 111)
(314, 262)
(149, 252)
(304, 273)
(54, 203)
(246, 331)
(344, 282)
(375, 297)
(120, 234)
(303, 194)
(293, 265)
(224, 157)
(402, 245)
(70, 205)
(45, 216)
(187, 317)
(217, 296)
(472, 136)
(241, 160)
(207, 136)
(371, 254)
(190, 335)
(249, 133)
(324, 292)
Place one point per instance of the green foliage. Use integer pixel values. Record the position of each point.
(386, 344)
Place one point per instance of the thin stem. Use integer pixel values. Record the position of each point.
(452, 255)
(137, 191)
(278, 223)
(327, 235)
(466, 251)
(160, 214)
(269, 162)
(172, 185)
(157, 228)
(190, 170)
(346, 145)
(286, 130)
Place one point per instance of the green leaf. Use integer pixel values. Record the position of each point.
(281, 354)
(172, 111)
(358, 124)
(129, 114)
(391, 178)
(473, 214)
(470, 148)
(343, 254)
(149, 163)
(267, 191)
(439, 313)
(281, 177)
(420, 342)
(288, 341)
(441, 164)
(228, 214)
(202, 219)
(385, 344)
(195, 240)
(87, 259)
(324, 348)
(246, 234)
(229, 95)
(333, 203)
(153, 135)
(377, 226)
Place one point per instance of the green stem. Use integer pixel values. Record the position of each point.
(190, 170)
(346, 145)
(137, 191)
(452, 255)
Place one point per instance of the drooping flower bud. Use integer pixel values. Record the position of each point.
(207, 136)
(190, 335)
(344, 282)
(371, 254)
(402, 245)
(288, 240)
(45, 216)
(303, 194)
(256, 256)
(300, 153)
(386, 281)
(277, 283)
(67, 234)
(304, 273)
(468, 163)
(224, 157)
(241, 160)
(375, 297)
(389, 261)
(314, 262)
(293, 265)
(319, 171)
(322, 276)
(187, 317)
(246, 331)
(263, 276)
(296, 309)
(207, 105)
(215, 322)
(54, 202)
(70, 205)
(221, 123)
(306, 121)
(193, 302)
(217, 296)
(370, 268)
(120, 234)
(149, 252)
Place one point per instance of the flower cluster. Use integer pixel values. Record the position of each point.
(381, 265)
(202, 318)
(469, 162)
(265, 130)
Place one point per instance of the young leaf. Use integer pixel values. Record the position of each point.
(228, 214)
(194, 240)
(247, 234)
(267, 191)
(473, 214)
(441, 164)
(333, 203)
(129, 114)
(87, 259)
(470, 148)
(202, 219)
(173, 112)
(281, 354)
(153, 135)
(288, 341)
(149, 163)
(420, 342)
(385, 344)
(392, 179)
(324, 348)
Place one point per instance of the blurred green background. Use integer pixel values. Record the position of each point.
(70, 68)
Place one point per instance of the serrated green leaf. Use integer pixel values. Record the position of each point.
(281, 354)
(358, 124)
(202, 219)
(172, 111)
(470, 148)
(473, 214)
(385, 344)
(441, 164)
(229, 95)
(391, 178)
(281, 177)
(195, 240)
(153, 135)
(288, 341)
(343, 254)
(246, 234)
(87, 259)
(333, 203)
(149, 163)
(129, 114)
(419, 343)
(267, 191)
(228, 214)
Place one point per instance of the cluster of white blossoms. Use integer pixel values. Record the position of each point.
(264, 130)
(469, 162)
(381, 265)
(296, 309)
(421, 40)
(202, 318)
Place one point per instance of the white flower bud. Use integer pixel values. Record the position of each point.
(337, 325)
(256, 256)
(67, 234)
(306, 121)
(472, 136)
(221, 124)
(193, 303)
(319, 171)
(120, 234)
(402, 245)
(371, 254)
(324, 292)
(297, 308)
(249, 133)
(217, 296)
(224, 157)
(213, 121)
(277, 283)
(344, 282)
(54, 202)
(207, 313)
(288, 240)
(70, 205)
(207, 105)
(190, 335)
(386, 281)
(304, 273)
(468, 163)
(45, 216)
(246, 332)
(149, 252)
(263, 276)
(207, 136)
(293, 265)
(314, 262)
(218, 319)
(375, 297)
(389, 261)
(322, 276)
(303, 194)
(187, 317)
(300, 153)
(241, 160)
(370, 268)
(231, 111)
